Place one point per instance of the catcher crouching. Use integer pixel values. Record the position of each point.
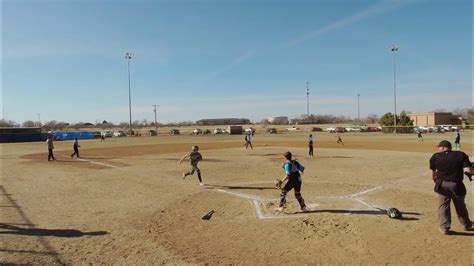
(293, 170)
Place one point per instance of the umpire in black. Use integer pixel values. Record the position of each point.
(448, 169)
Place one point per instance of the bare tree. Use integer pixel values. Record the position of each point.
(8, 123)
(28, 123)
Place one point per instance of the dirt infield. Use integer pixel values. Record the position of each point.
(126, 203)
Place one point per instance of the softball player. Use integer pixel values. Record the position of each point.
(194, 157)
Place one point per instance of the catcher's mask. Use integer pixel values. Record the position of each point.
(394, 213)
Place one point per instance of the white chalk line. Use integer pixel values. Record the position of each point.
(93, 162)
(257, 202)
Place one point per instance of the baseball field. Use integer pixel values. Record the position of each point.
(125, 202)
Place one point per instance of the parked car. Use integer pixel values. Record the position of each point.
(97, 135)
(339, 130)
(174, 131)
(330, 129)
(152, 132)
(272, 130)
(353, 129)
(197, 131)
(420, 129)
(316, 129)
(218, 131)
(107, 134)
(293, 128)
(120, 133)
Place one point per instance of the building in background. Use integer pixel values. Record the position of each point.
(223, 121)
(278, 120)
(435, 119)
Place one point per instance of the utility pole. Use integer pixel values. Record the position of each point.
(39, 119)
(307, 98)
(358, 107)
(394, 49)
(129, 56)
(156, 125)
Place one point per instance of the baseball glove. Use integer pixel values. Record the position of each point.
(278, 183)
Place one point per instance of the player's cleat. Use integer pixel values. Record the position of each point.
(279, 209)
(201, 184)
(184, 175)
(469, 228)
(304, 209)
(444, 231)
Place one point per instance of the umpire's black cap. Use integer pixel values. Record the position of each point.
(445, 143)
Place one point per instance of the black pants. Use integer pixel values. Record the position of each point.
(76, 152)
(50, 155)
(293, 183)
(310, 150)
(247, 144)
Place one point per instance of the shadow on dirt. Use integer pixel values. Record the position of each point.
(15, 230)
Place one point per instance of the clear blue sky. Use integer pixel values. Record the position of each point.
(208, 59)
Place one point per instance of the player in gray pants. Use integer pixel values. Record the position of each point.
(194, 157)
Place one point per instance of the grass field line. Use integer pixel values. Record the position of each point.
(93, 162)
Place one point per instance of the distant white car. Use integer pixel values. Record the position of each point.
(197, 131)
(330, 129)
(353, 129)
(293, 128)
(218, 131)
(120, 133)
(107, 134)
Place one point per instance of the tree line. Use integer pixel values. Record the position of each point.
(385, 120)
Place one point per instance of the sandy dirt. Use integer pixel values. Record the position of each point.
(125, 202)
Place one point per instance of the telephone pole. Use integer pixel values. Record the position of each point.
(156, 125)
(394, 49)
(307, 98)
(358, 107)
(129, 56)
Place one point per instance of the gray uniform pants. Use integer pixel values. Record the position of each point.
(455, 191)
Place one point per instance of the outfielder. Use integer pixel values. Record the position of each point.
(194, 157)
(339, 139)
(76, 148)
(248, 140)
(293, 170)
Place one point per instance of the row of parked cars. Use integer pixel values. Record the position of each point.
(436, 129)
(109, 134)
(198, 131)
(353, 129)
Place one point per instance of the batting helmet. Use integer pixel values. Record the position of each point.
(394, 213)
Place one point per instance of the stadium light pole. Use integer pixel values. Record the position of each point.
(129, 56)
(358, 107)
(307, 98)
(394, 50)
(156, 125)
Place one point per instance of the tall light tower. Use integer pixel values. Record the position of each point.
(307, 98)
(358, 107)
(394, 50)
(156, 125)
(129, 56)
